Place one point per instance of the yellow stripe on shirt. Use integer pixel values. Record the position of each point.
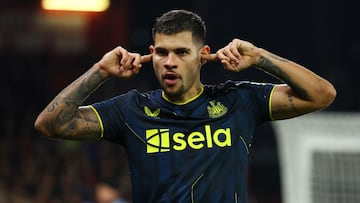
(100, 121)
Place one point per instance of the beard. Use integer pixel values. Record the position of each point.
(173, 92)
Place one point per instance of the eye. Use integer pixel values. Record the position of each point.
(161, 52)
(181, 52)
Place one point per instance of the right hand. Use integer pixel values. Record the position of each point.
(121, 63)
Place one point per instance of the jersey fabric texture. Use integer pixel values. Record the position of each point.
(191, 152)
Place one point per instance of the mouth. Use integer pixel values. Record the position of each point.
(170, 78)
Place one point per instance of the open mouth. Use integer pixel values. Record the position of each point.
(170, 78)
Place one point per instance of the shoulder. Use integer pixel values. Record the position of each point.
(153, 94)
(234, 86)
(130, 98)
(136, 94)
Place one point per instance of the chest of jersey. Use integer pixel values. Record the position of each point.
(210, 126)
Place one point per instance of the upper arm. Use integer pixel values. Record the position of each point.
(87, 124)
(286, 104)
(84, 124)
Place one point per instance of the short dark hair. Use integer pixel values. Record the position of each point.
(176, 21)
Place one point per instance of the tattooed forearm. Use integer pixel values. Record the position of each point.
(65, 118)
(74, 95)
(52, 107)
(266, 65)
(269, 67)
(278, 58)
(84, 86)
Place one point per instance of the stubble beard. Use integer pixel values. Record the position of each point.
(173, 92)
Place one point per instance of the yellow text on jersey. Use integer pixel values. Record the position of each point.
(160, 140)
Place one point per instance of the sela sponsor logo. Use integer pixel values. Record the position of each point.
(162, 140)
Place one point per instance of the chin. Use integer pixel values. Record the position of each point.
(172, 92)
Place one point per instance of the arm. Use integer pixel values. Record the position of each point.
(303, 91)
(65, 118)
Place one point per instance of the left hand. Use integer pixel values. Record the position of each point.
(236, 56)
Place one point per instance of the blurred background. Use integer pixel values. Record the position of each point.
(42, 51)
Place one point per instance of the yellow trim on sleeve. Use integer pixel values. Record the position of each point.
(270, 102)
(100, 121)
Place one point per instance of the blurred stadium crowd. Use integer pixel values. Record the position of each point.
(37, 169)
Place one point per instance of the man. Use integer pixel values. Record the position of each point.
(187, 142)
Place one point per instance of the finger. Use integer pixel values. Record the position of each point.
(118, 51)
(209, 57)
(137, 69)
(229, 65)
(234, 48)
(229, 52)
(124, 55)
(128, 61)
(146, 58)
(221, 55)
(136, 60)
(126, 58)
(226, 64)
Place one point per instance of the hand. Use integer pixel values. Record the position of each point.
(121, 63)
(236, 56)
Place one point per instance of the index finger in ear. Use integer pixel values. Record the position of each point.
(146, 58)
(210, 57)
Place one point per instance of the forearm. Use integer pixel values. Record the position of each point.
(304, 83)
(78, 91)
(63, 118)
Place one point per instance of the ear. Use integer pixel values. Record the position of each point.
(205, 50)
(151, 49)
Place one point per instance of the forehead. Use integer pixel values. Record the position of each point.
(174, 41)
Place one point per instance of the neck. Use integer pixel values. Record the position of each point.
(181, 100)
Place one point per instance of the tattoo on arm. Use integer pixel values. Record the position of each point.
(269, 67)
(52, 107)
(87, 84)
(279, 58)
(66, 104)
(292, 104)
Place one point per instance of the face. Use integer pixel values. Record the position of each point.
(177, 63)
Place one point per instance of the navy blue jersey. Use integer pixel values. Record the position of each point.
(191, 152)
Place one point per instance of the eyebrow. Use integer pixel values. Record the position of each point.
(183, 49)
(177, 49)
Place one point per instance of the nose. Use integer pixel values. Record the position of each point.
(170, 61)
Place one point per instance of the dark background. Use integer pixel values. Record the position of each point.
(40, 57)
